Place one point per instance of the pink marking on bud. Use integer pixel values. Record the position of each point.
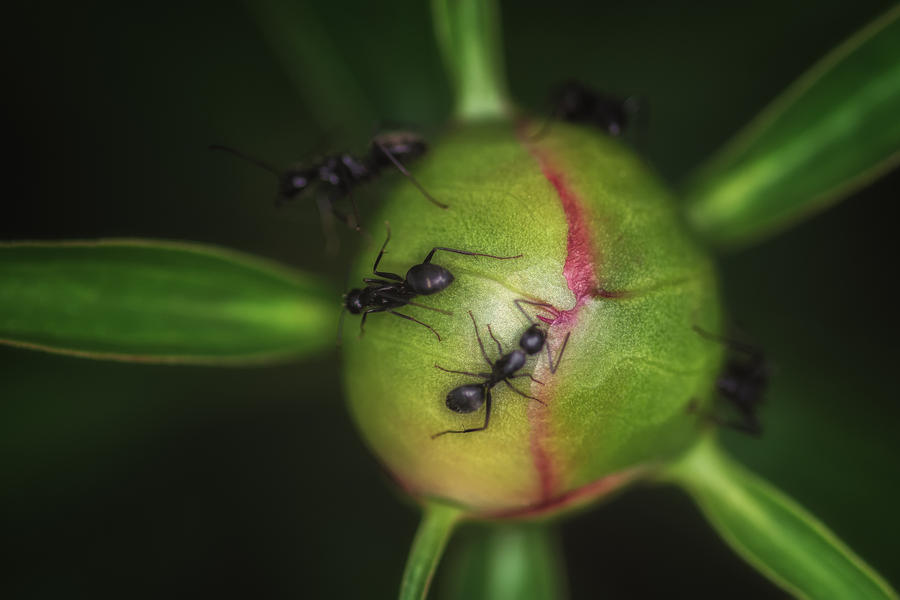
(575, 498)
(603, 293)
(580, 272)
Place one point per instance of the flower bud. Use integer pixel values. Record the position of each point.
(603, 247)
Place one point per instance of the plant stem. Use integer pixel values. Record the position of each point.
(506, 561)
(468, 34)
(431, 538)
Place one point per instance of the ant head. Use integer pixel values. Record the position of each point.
(532, 341)
(466, 398)
(295, 181)
(578, 103)
(353, 301)
(572, 101)
(403, 145)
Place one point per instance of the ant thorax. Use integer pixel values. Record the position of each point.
(508, 364)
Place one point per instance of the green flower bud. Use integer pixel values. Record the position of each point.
(601, 241)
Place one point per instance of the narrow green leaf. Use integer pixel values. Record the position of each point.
(468, 34)
(774, 533)
(835, 130)
(437, 524)
(505, 561)
(155, 301)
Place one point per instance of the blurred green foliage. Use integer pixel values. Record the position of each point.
(148, 480)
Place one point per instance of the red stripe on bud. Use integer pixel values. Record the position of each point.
(580, 271)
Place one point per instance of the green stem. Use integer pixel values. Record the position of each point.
(468, 34)
(428, 545)
(506, 561)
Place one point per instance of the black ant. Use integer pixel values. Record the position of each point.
(576, 103)
(743, 382)
(384, 295)
(469, 398)
(340, 173)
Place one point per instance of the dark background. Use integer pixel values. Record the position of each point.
(153, 481)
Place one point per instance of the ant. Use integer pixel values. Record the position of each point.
(469, 398)
(394, 291)
(743, 382)
(576, 103)
(340, 173)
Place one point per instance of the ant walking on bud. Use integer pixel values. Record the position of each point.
(470, 397)
(391, 291)
(336, 176)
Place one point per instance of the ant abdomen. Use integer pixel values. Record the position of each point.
(466, 398)
(428, 278)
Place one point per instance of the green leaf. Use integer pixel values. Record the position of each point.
(835, 130)
(505, 561)
(468, 34)
(431, 538)
(774, 533)
(155, 301)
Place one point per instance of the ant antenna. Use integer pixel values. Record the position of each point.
(548, 307)
(250, 159)
(403, 170)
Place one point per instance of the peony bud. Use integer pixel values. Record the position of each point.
(603, 244)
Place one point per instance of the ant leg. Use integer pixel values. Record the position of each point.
(487, 420)
(467, 253)
(340, 331)
(521, 393)
(749, 425)
(553, 367)
(480, 343)
(409, 175)
(347, 192)
(362, 322)
(440, 310)
(343, 218)
(499, 347)
(375, 270)
(326, 218)
(387, 275)
(387, 226)
(529, 375)
(479, 375)
(728, 342)
(355, 208)
(409, 318)
(411, 303)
